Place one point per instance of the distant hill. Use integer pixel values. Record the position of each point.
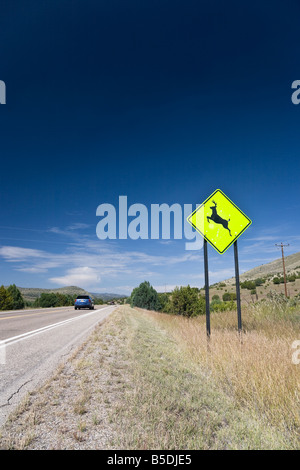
(274, 268)
(31, 293)
(266, 272)
(107, 296)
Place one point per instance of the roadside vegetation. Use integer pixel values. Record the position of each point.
(11, 298)
(149, 380)
(185, 300)
(236, 392)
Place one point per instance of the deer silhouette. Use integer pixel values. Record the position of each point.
(217, 219)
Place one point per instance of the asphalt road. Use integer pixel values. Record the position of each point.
(34, 342)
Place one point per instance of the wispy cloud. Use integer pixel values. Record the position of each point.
(78, 226)
(264, 238)
(17, 254)
(82, 276)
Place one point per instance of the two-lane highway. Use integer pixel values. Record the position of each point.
(34, 342)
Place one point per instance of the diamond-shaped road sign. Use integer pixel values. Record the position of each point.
(219, 221)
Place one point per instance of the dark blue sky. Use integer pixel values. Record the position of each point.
(161, 101)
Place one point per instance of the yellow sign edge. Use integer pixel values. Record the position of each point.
(199, 207)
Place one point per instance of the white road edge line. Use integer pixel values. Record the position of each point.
(16, 339)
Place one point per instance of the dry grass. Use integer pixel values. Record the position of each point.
(233, 396)
(146, 380)
(255, 368)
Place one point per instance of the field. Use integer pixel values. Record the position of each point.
(146, 380)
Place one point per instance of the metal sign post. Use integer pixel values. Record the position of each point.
(206, 289)
(237, 285)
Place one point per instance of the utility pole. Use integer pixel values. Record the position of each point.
(284, 276)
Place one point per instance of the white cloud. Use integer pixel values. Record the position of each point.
(32, 270)
(167, 288)
(77, 226)
(81, 276)
(263, 238)
(17, 253)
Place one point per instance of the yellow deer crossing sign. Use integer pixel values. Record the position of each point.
(219, 221)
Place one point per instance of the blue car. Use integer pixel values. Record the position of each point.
(84, 301)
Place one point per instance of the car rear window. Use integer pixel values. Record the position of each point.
(83, 297)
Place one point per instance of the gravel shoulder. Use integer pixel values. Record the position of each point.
(72, 409)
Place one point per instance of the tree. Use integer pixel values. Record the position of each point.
(47, 300)
(163, 300)
(18, 301)
(6, 300)
(145, 296)
(186, 301)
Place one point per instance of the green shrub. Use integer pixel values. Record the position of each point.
(278, 280)
(17, 299)
(248, 285)
(53, 299)
(223, 306)
(228, 296)
(6, 300)
(186, 301)
(145, 296)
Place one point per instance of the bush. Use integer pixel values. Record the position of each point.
(17, 299)
(11, 298)
(278, 280)
(223, 306)
(228, 296)
(6, 300)
(248, 285)
(145, 296)
(216, 298)
(163, 301)
(53, 299)
(215, 301)
(187, 302)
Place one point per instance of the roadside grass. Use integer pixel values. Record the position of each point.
(256, 368)
(146, 380)
(184, 396)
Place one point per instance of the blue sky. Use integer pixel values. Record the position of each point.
(163, 102)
